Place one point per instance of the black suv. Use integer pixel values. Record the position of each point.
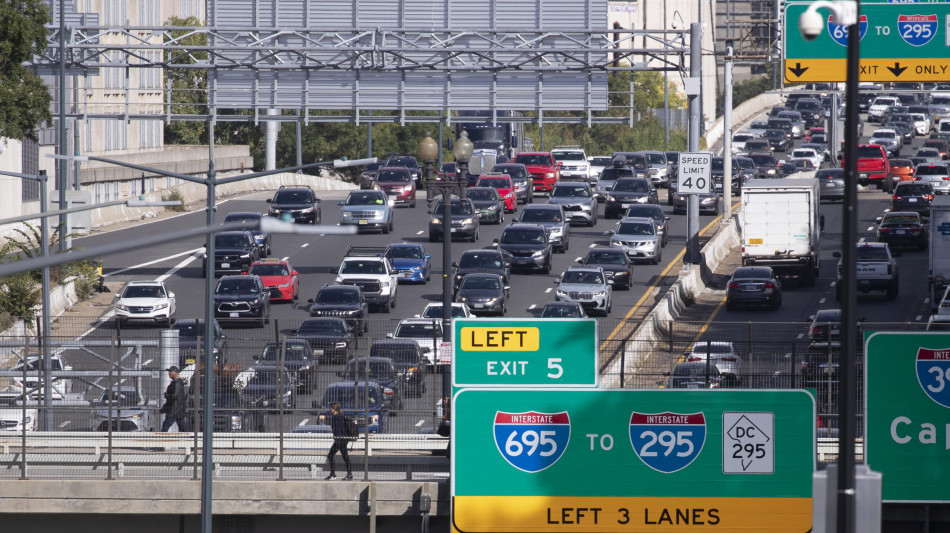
(487, 260)
(261, 237)
(330, 335)
(528, 247)
(189, 333)
(298, 359)
(615, 263)
(409, 360)
(234, 251)
(382, 370)
(298, 203)
(341, 301)
(242, 298)
(410, 163)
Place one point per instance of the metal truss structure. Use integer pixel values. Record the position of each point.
(268, 53)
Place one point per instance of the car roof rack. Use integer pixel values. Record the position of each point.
(295, 187)
(568, 147)
(365, 251)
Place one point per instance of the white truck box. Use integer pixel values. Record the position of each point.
(939, 248)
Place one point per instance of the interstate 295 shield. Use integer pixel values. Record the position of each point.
(667, 442)
(933, 374)
(532, 441)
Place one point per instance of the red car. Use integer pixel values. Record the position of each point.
(543, 169)
(398, 184)
(502, 182)
(447, 171)
(278, 277)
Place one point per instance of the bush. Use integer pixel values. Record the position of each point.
(19, 296)
(174, 196)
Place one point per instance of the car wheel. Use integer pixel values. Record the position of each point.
(432, 237)
(501, 218)
(413, 204)
(475, 236)
(386, 307)
(546, 269)
(387, 228)
(892, 290)
(777, 303)
(392, 302)
(504, 309)
(610, 307)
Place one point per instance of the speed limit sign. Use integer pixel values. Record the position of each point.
(695, 173)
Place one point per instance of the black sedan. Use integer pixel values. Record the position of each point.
(563, 310)
(627, 192)
(615, 263)
(482, 261)
(753, 285)
(332, 336)
(903, 228)
(484, 293)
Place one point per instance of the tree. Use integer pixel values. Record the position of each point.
(188, 87)
(24, 99)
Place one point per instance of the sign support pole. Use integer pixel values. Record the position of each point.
(692, 202)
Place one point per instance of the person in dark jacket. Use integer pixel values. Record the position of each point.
(343, 432)
(175, 397)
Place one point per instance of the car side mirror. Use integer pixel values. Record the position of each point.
(117, 296)
(836, 255)
(455, 264)
(339, 202)
(580, 261)
(171, 295)
(269, 200)
(310, 301)
(556, 281)
(390, 336)
(428, 256)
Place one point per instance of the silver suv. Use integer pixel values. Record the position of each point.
(587, 286)
(551, 217)
(638, 238)
(577, 199)
(367, 210)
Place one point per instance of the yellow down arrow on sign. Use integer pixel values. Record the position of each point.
(833, 70)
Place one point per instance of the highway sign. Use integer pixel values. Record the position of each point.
(899, 42)
(621, 460)
(545, 352)
(695, 173)
(907, 398)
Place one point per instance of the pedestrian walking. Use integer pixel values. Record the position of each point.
(344, 430)
(174, 407)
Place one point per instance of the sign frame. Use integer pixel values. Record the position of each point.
(694, 175)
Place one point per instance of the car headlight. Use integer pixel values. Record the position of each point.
(237, 422)
(246, 256)
(507, 196)
(493, 301)
(560, 294)
(436, 220)
(384, 284)
(160, 306)
(285, 285)
(600, 294)
(557, 230)
(407, 188)
(549, 175)
(306, 210)
(340, 345)
(616, 243)
(493, 208)
(770, 171)
(463, 298)
(468, 221)
(122, 307)
(611, 198)
(373, 420)
(642, 200)
(539, 253)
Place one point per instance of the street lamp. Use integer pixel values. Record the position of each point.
(810, 24)
(463, 152)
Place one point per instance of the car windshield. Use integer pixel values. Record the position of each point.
(435, 311)
(759, 125)
(394, 175)
(931, 170)
(483, 194)
(495, 183)
(516, 172)
(419, 330)
(712, 347)
(605, 258)
(570, 191)
(365, 198)
(358, 266)
(830, 173)
(541, 215)
(560, 311)
(533, 159)
(803, 153)
(763, 160)
(237, 286)
(600, 161)
(480, 260)
(774, 133)
(397, 352)
(189, 329)
(123, 396)
(631, 186)
(615, 173)
(243, 217)
(695, 371)
(635, 228)
(269, 270)
(651, 211)
(349, 395)
(458, 209)
(144, 291)
(522, 236)
(884, 135)
(293, 351)
(655, 159)
(912, 189)
(291, 197)
(928, 152)
(752, 273)
(405, 252)
(377, 369)
(447, 167)
(337, 297)
(322, 327)
(568, 156)
(901, 163)
(869, 152)
(872, 253)
(586, 277)
(744, 162)
(403, 162)
(268, 376)
(490, 284)
(899, 220)
(230, 241)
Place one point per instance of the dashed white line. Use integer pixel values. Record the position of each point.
(870, 228)
(304, 422)
(304, 245)
(822, 300)
(420, 232)
(578, 258)
(918, 318)
(420, 422)
(64, 424)
(159, 260)
(532, 306)
(593, 244)
(547, 291)
(285, 258)
(800, 335)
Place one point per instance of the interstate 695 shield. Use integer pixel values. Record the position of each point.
(532, 441)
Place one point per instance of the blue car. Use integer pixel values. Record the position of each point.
(410, 261)
(352, 399)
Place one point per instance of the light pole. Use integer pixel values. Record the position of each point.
(811, 24)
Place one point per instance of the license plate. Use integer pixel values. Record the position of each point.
(625, 205)
(362, 222)
(900, 232)
(912, 200)
(235, 315)
(749, 289)
(454, 230)
(863, 176)
(225, 265)
(478, 306)
(829, 185)
(755, 241)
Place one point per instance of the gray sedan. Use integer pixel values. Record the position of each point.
(830, 184)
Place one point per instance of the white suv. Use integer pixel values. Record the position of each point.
(573, 162)
(426, 332)
(145, 301)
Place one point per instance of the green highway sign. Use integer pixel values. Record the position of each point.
(622, 460)
(545, 352)
(907, 418)
(899, 42)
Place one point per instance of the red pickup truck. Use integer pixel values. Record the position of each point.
(873, 167)
(543, 169)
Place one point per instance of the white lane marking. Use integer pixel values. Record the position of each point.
(147, 362)
(304, 422)
(578, 258)
(862, 238)
(547, 291)
(918, 318)
(822, 300)
(285, 258)
(800, 335)
(177, 267)
(64, 424)
(304, 245)
(532, 306)
(870, 228)
(420, 232)
(420, 422)
(833, 283)
(606, 232)
(159, 260)
(592, 245)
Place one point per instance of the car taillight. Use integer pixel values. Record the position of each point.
(884, 230)
(929, 197)
(915, 230)
(693, 358)
(730, 359)
(945, 178)
(769, 285)
(733, 285)
(895, 197)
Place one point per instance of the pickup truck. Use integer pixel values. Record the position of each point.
(370, 270)
(873, 167)
(876, 270)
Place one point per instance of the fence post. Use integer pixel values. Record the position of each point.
(196, 385)
(282, 357)
(110, 397)
(623, 360)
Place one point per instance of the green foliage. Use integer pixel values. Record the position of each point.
(750, 88)
(19, 296)
(174, 196)
(189, 87)
(24, 100)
